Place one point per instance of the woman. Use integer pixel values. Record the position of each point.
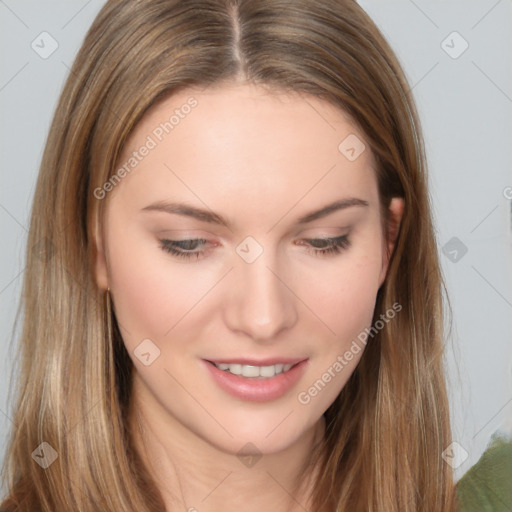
(239, 304)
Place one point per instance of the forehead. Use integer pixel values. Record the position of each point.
(244, 112)
(242, 140)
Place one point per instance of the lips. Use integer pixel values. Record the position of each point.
(258, 362)
(253, 388)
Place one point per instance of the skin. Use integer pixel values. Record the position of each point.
(261, 160)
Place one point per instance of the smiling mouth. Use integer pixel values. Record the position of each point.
(254, 372)
(260, 381)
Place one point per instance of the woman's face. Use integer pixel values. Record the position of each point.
(221, 245)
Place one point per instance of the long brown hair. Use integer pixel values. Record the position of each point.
(388, 427)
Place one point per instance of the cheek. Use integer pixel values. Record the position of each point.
(345, 302)
(149, 296)
(343, 295)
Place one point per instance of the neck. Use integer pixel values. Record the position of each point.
(194, 475)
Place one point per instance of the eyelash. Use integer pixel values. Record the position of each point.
(336, 246)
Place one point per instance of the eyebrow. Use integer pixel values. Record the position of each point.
(214, 218)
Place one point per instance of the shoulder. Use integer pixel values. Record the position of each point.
(487, 486)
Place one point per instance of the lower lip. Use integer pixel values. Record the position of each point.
(257, 390)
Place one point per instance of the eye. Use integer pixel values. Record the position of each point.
(184, 248)
(327, 246)
(187, 249)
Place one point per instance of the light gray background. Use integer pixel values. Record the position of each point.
(465, 105)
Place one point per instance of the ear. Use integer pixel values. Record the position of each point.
(396, 210)
(100, 259)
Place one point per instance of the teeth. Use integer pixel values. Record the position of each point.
(247, 370)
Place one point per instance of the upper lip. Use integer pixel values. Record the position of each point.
(270, 361)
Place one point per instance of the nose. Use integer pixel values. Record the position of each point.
(261, 303)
